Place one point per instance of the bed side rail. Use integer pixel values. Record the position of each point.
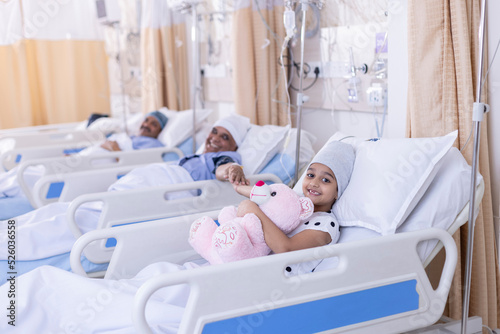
(379, 286)
(39, 129)
(57, 170)
(138, 245)
(144, 205)
(41, 145)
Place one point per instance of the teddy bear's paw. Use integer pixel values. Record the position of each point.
(202, 225)
(227, 214)
(225, 237)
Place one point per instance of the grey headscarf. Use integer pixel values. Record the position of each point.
(339, 157)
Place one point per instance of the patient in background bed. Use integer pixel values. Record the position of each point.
(147, 137)
(70, 295)
(153, 124)
(44, 234)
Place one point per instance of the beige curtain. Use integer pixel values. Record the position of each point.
(49, 75)
(164, 58)
(443, 57)
(258, 84)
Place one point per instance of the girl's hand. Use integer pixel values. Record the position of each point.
(247, 206)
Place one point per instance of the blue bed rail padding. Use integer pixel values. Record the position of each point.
(55, 190)
(72, 150)
(326, 314)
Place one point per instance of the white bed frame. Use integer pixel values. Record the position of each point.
(28, 146)
(42, 128)
(148, 205)
(85, 174)
(255, 291)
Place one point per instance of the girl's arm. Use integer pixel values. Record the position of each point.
(278, 241)
(232, 173)
(243, 190)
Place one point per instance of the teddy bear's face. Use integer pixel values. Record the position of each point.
(282, 205)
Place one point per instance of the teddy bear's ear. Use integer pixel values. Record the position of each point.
(307, 208)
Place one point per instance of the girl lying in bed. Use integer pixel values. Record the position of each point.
(52, 300)
(45, 234)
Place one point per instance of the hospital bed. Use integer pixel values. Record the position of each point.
(44, 128)
(148, 205)
(362, 286)
(177, 136)
(131, 206)
(63, 183)
(18, 146)
(65, 178)
(375, 289)
(25, 146)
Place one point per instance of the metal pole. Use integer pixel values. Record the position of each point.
(116, 25)
(194, 40)
(477, 134)
(300, 95)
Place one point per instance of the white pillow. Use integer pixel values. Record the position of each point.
(260, 145)
(389, 178)
(348, 139)
(107, 125)
(446, 196)
(180, 125)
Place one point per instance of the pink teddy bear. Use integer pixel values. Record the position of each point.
(239, 238)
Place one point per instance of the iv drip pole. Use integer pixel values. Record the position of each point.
(301, 98)
(479, 109)
(194, 85)
(182, 7)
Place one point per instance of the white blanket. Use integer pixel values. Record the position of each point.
(9, 187)
(50, 300)
(44, 232)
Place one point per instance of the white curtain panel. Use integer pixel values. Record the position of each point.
(10, 22)
(61, 20)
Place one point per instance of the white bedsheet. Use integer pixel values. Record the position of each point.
(45, 232)
(51, 300)
(9, 187)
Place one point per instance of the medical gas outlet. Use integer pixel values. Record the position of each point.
(376, 94)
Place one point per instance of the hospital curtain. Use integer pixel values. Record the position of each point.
(258, 84)
(53, 63)
(164, 58)
(443, 57)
